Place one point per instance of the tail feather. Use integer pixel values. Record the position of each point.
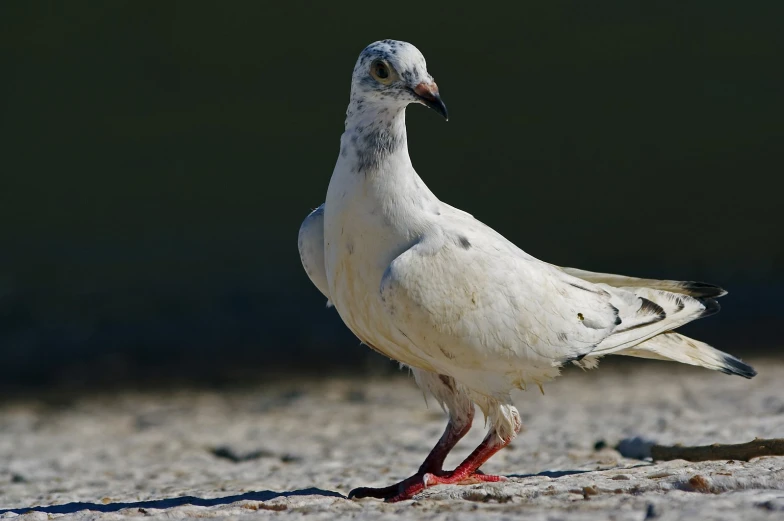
(649, 311)
(678, 348)
(646, 312)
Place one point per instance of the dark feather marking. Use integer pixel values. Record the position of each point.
(589, 290)
(448, 381)
(679, 303)
(702, 290)
(617, 315)
(464, 242)
(711, 307)
(731, 365)
(377, 145)
(651, 308)
(573, 359)
(446, 353)
(401, 332)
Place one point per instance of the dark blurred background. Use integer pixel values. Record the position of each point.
(157, 158)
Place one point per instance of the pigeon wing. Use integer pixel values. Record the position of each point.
(474, 298)
(311, 249)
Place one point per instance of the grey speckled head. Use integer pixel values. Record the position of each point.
(392, 74)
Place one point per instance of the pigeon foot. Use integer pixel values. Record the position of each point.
(409, 487)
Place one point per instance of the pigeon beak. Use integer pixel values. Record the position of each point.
(427, 93)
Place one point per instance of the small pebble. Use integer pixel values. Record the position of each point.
(651, 512)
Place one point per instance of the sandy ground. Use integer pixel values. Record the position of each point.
(296, 449)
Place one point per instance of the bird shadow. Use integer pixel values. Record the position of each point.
(264, 495)
(561, 473)
(550, 474)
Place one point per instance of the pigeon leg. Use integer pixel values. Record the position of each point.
(466, 473)
(454, 432)
(433, 464)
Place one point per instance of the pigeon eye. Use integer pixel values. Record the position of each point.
(381, 72)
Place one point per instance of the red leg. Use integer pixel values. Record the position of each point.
(453, 433)
(465, 474)
(433, 464)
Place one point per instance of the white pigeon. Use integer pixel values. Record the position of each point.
(470, 313)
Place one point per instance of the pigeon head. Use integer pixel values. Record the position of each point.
(392, 74)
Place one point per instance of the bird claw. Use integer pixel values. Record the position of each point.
(410, 487)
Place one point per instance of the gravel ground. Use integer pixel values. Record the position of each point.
(296, 449)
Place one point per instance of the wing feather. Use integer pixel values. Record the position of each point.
(486, 304)
(691, 288)
(311, 250)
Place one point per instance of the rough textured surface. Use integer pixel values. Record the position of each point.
(296, 449)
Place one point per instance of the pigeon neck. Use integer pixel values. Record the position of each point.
(375, 135)
(375, 168)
